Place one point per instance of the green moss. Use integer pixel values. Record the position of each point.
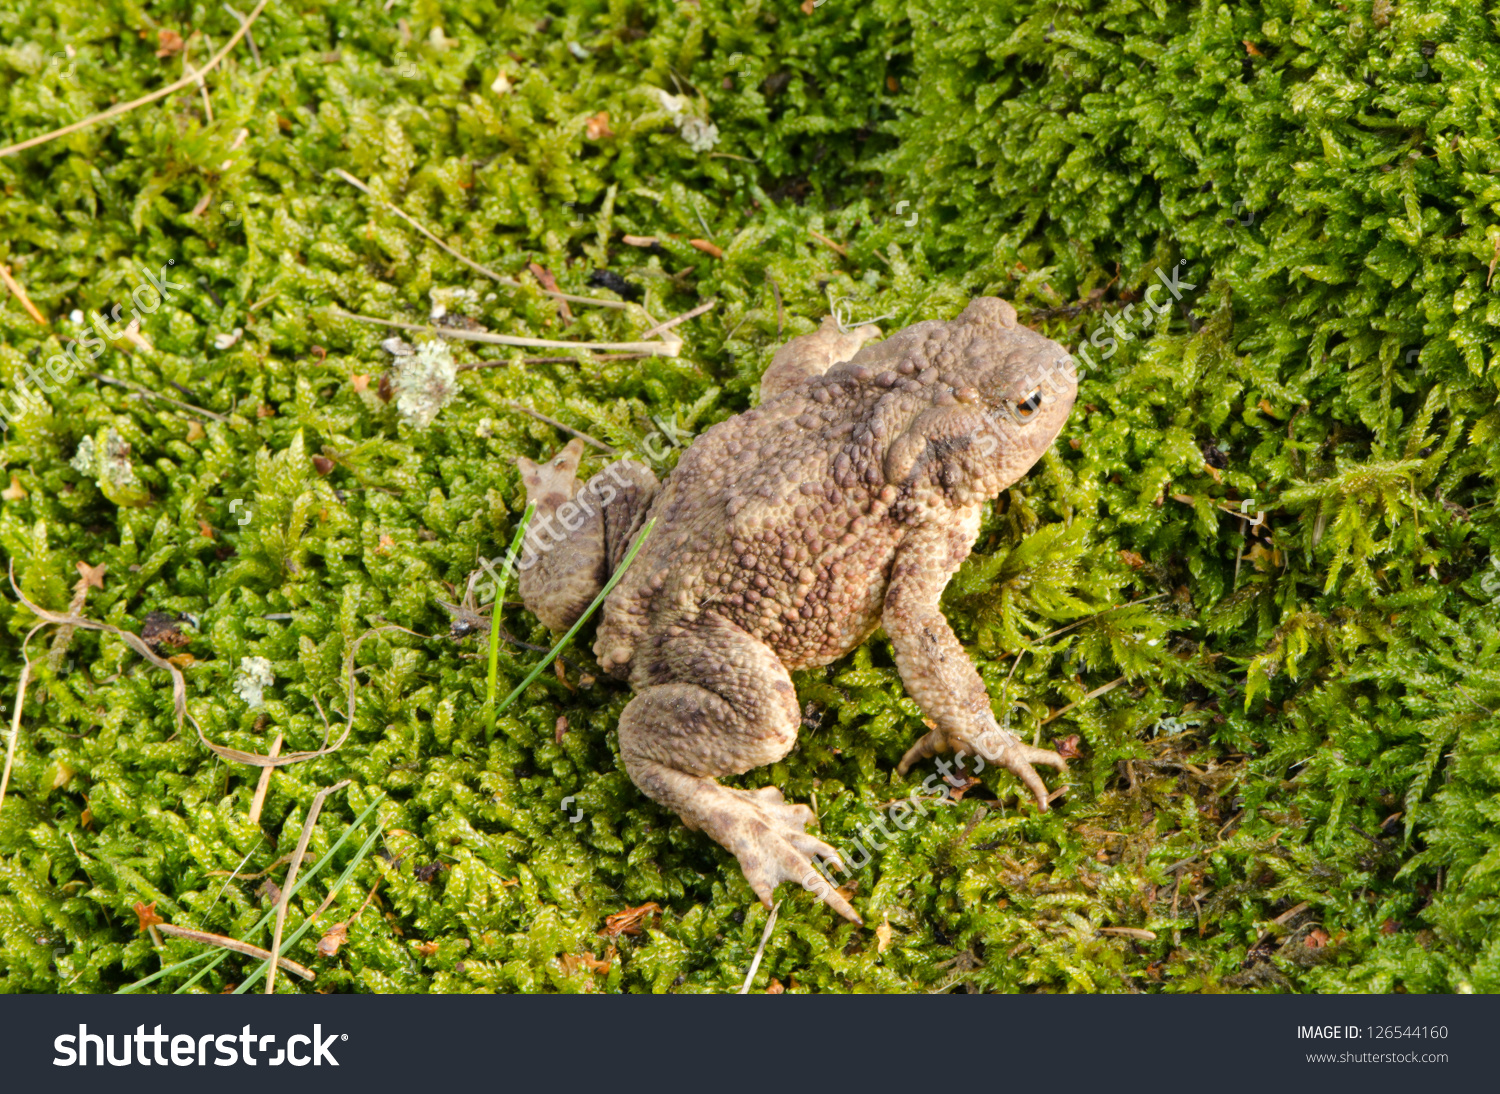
(1309, 723)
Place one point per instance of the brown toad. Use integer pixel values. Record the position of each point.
(784, 537)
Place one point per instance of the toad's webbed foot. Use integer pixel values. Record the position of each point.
(715, 701)
(767, 835)
(998, 747)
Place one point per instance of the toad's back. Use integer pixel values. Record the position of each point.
(772, 520)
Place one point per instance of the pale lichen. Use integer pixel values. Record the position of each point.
(254, 677)
(700, 134)
(424, 382)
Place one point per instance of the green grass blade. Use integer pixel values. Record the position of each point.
(215, 956)
(584, 618)
(498, 605)
(287, 943)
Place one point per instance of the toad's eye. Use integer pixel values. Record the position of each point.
(1026, 407)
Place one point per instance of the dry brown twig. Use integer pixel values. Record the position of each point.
(15, 718)
(760, 951)
(232, 874)
(291, 876)
(1091, 695)
(179, 685)
(665, 348)
(211, 939)
(258, 802)
(830, 244)
(160, 93)
(20, 294)
(539, 416)
(683, 318)
(141, 389)
(498, 278)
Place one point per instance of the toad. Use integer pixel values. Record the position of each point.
(782, 540)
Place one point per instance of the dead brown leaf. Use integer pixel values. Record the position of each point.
(90, 577)
(332, 939)
(957, 792)
(630, 920)
(572, 963)
(146, 914)
(597, 127)
(168, 42)
(548, 282)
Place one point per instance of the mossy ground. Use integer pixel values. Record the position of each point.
(1293, 788)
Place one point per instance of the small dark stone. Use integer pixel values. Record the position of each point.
(775, 83)
(608, 279)
(160, 628)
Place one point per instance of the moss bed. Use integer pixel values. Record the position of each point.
(1291, 784)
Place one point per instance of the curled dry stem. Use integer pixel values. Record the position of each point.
(179, 688)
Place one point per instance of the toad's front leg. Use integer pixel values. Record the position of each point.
(716, 701)
(812, 355)
(937, 672)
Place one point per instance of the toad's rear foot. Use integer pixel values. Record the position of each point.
(1001, 748)
(767, 835)
(717, 701)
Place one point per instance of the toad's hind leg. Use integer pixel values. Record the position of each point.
(718, 702)
(579, 532)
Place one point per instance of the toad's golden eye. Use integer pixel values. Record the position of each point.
(1026, 407)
